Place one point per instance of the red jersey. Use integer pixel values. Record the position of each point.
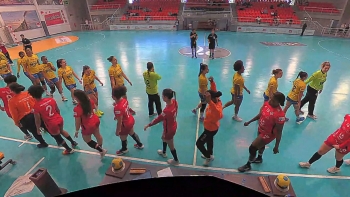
(269, 117)
(3, 49)
(168, 117)
(48, 110)
(122, 109)
(5, 96)
(86, 121)
(343, 133)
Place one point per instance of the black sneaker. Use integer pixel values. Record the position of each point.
(244, 168)
(258, 160)
(42, 145)
(192, 56)
(74, 144)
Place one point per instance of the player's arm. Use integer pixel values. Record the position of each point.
(271, 86)
(37, 118)
(126, 78)
(157, 76)
(257, 117)
(98, 80)
(51, 66)
(278, 129)
(18, 68)
(301, 93)
(76, 76)
(9, 67)
(14, 112)
(216, 40)
(112, 81)
(157, 120)
(77, 124)
(308, 80)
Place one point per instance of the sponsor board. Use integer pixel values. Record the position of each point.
(274, 30)
(142, 27)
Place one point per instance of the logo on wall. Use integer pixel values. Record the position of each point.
(204, 52)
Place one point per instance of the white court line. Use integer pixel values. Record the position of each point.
(330, 50)
(190, 166)
(35, 165)
(23, 142)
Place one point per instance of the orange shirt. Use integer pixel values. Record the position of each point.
(213, 113)
(20, 105)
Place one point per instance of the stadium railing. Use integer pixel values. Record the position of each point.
(206, 7)
(323, 10)
(104, 7)
(266, 21)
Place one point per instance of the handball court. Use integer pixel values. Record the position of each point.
(133, 50)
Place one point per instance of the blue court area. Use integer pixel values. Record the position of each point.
(133, 50)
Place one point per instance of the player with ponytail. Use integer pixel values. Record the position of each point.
(295, 95)
(168, 116)
(203, 88)
(273, 84)
(151, 78)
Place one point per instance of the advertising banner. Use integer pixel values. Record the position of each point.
(274, 30)
(142, 27)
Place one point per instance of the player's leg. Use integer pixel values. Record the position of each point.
(257, 144)
(325, 148)
(60, 90)
(124, 149)
(297, 113)
(134, 136)
(238, 103)
(338, 162)
(170, 142)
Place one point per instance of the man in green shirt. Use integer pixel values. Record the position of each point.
(315, 88)
(151, 80)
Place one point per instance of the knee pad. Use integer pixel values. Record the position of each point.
(252, 150)
(203, 108)
(42, 83)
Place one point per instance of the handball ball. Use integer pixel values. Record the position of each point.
(117, 163)
(282, 181)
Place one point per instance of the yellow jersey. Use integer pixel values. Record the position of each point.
(237, 80)
(2, 56)
(67, 75)
(89, 80)
(298, 86)
(33, 66)
(116, 72)
(203, 83)
(4, 67)
(20, 63)
(47, 71)
(273, 85)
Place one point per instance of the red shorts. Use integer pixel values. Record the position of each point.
(267, 137)
(89, 130)
(169, 135)
(126, 127)
(54, 128)
(331, 141)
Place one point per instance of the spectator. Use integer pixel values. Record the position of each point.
(6, 53)
(258, 19)
(346, 29)
(303, 29)
(342, 27)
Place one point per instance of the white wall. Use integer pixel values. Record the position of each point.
(36, 33)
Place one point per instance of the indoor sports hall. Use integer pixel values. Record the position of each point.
(89, 44)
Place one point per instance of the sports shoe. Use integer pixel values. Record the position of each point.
(64, 99)
(98, 114)
(312, 117)
(173, 162)
(201, 119)
(333, 170)
(301, 112)
(66, 152)
(138, 147)
(258, 160)
(101, 112)
(28, 137)
(207, 161)
(122, 152)
(154, 114)
(304, 164)
(160, 152)
(74, 144)
(103, 153)
(75, 102)
(300, 119)
(211, 157)
(244, 168)
(287, 119)
(347, 161)
(42, 145)
(236, 118)
(194, 111)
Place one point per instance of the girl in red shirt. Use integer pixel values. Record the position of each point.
(46, 111)
(168, 116)
(125, 121)
(5, 96)
(271, 121)
(88, 121)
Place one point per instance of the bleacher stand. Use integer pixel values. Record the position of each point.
(160, 9)
(267, 12)
(106, 5)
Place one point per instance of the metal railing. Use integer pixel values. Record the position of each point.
(104, 7)
(323, 10)
(266, 21)
(206, 7)
(146, 18)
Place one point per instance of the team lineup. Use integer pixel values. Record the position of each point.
(33, 113)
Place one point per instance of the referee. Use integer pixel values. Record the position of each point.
(26, 43)
(194, 37)
(212, 39)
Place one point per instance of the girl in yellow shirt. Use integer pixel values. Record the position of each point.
(48, 71)
(273, 84)
(67, 74)
(20, 63)
(89, 78)
(295, 95)
(5, 69)
(203, 88)
(237, 89)
(117, 76)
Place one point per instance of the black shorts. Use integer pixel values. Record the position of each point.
(193, 45)
(212, 46)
